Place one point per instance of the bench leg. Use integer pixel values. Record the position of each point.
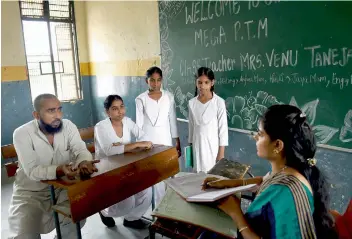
(56, 215)
(151, 233)
(78, 229)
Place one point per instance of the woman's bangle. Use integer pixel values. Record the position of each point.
(242, 229)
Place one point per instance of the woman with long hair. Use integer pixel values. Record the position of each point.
(292, 200)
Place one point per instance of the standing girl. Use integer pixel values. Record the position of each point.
(156, 116)
(208, 131)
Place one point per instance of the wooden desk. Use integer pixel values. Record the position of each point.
(118, 178)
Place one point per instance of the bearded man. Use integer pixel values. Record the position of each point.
(48, 148)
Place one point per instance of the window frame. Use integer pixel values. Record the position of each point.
(74, 41)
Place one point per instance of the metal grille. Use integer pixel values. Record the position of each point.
(32, 8)
(59, 9)
(53, 9)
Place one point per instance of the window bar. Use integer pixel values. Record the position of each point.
(75, 50)
(46, 15)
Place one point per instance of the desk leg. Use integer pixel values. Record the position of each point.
(153, 198)
(151, 233)
(56, 216)
(78, 229)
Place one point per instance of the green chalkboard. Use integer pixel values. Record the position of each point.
(264, 53)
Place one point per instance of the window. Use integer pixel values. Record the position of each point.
(51, 48)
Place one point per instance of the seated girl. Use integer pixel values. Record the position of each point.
(292, 200)
(113, 136)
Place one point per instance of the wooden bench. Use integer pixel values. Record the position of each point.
(9, 152)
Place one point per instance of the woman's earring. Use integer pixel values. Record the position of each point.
(276, 151)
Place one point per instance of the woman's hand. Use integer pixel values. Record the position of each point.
(145, 144)
(231, 206)
(213, 182)
(221, 153)
(178, 147)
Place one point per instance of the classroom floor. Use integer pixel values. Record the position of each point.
(93, 228)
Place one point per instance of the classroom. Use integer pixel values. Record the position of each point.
(252, 84)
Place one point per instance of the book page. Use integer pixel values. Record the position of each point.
(212, 196)
(190, 185)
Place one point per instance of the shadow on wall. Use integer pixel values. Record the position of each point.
(128, 87)
(16, 108)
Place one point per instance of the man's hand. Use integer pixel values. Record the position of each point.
(66, 170)
(86, 168)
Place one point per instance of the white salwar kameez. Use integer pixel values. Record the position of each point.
(158, 121)
(134, 207)
(207, 131)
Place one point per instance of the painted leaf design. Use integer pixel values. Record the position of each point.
(168, 77)
(261, 109)
(271, 100)
(167, 55)
(239, 103)
(237, 121)
(253, 115)
(189, 95)
(229, 104)
(170, 82)
(164, 33)
(346, 130)
(348, 119)
(245, 113)
(179, 95)
(346, 134)
(247, 124)
(293, 101)
(251, 101)
(165, 47)
(310, 109)
(183, 111)
(261, 97)
(324, 133)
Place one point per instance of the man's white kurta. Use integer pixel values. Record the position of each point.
(30, 208)
(207, 131)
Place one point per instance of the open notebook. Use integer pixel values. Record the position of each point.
(190, 188)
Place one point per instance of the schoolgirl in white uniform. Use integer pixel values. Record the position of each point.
(208, 130)
(113, 136)
(156, 116)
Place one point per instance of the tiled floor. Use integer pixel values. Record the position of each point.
(93, 229)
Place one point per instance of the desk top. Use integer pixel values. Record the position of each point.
(118, 178)
(109, 164)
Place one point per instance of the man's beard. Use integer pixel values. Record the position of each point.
(50, 129)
